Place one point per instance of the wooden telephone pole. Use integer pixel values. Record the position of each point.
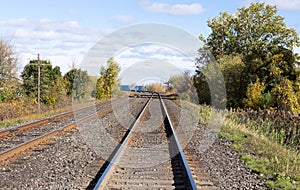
(39, 84)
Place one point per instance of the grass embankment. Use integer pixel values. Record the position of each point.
(262, 147)
(280, 165)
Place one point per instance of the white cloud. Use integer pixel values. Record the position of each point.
(137, 35)
(69, 26)
(174, 9)
(138, 62)
(123, 18)
(54, 41)
(284, 4)
(21, 22)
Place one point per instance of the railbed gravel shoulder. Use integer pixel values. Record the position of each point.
(57, 166)
(225, 168)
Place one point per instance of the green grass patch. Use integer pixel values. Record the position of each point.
(259, 165)
(237, 146)
(284, 182)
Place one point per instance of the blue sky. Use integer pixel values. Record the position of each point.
(63, 31)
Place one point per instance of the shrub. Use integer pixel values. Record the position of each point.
(285, 97)
(254, 95)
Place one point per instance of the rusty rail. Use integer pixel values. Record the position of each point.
(6, 155)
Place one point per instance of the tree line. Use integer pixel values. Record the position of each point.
(19, 92)
(53, 85)
(55, 88)
(254, 51)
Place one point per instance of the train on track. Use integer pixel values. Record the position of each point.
(134, 88)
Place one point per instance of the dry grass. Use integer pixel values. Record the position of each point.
(280, 126)
(18, 112)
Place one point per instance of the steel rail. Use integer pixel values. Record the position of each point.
(7, 131)
(191, 180)
(104, 177)
(5, 155)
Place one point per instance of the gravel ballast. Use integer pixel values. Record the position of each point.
(65, 162)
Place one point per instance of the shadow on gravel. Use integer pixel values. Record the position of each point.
(93, 183)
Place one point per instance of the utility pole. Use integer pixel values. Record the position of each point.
(39, 84)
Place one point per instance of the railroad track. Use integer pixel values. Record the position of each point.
(18, 139)
(150, 156)
(15, 129)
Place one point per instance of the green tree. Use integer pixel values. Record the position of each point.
(69, 78)
(233, 69)
(58, 90)
(265, 45)
(183, 84)
(202, 88)
(51, 84)
(209, 80)
(277, 67)
(100, 85)
(9, 82)
(297, 85)
(77, 84)
(260, 36)
(108, 79)
(29, 76)
(254, 31)
(93, 83)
